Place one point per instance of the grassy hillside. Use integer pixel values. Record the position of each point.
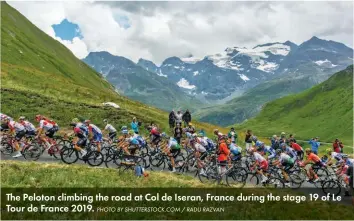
(325, 110)
(41, 76)
(250, 103)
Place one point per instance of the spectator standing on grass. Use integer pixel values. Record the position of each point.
(178, 117)
(248, 139)
(135, 125)
(171, 119)
(232, 135)
(291, 137)
(202, 132)
(178, 133)
(186, 117)
(275, 142)
(314, 145)
(338, 146)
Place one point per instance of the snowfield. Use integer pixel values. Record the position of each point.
(183, 83)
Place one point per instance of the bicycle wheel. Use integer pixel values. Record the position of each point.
(274, 182)
(69, 155)
(144, 151)
(252, 179)
(209, 175)
(236, 178)
(295, 181)
(6, 149)
(322, 174)
(94, 158)
(32, 152)
(156, 160)
(55, 150)
(331, 187)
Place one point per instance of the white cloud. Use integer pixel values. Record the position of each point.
(163, 29)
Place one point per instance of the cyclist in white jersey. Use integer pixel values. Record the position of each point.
(19, 131)
(95, 134)
(172, 149)
(30, 128)
(112, 132)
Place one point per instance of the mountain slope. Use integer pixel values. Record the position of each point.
(41, 76)
(138, 83)
(325, 110)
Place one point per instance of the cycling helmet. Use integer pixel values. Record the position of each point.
(216, 131)
(105, 120)
(190, 124)
(22, 118)
(38, 117)
(259, 143)
(282, 133)
(163, 134)
(328, 150)
(307, 150)
(200, 135)
(125, 131)
(254, 138)
(274, 136)
(131, 132)
(124, 128)
(283, 145)
(87, 121)
(278, 151)
(75, 120)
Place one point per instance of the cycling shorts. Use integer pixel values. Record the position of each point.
(30, 133)
(19, 135)
(264, 165)
(50, 133)
(112, 135)
(97, 137)
(81, 142)
(200, 148)
(203, 155)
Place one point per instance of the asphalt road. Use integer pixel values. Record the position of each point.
(306, 187)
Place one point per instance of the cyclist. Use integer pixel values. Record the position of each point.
(155, 135)
(81, 134)
(48, 126)
(223, 153)
(95, 134)
(112, 132)
(266, 149)
(30, 128)
(4, 125)
(218, 134)
(288, 150)
(172, 149)
(334, 156)
(190, 128)
(286, 163)
(132, 143)
(312, 158)
(19, 131)
(262, 162)
(200, 152)
(235, 151)
(297, 148)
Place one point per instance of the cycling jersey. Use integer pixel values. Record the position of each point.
(291, 152)
(81, 130)
(4, 116)
(154, 131)
(28, 126)
(296, 147)
(202, 141)
(313, 157)
(45, 124)
(97, 133)
(133, 140)
(199, 148)
(223, 152)
(270, 151)
(337, 156)
(110, 128)
(13, 125)
(350, 162)
(285, 159)
(259, 158)
(173, 144)
(235, 150)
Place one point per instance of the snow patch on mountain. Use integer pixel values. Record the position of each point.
(185, 84)
(195, 73)
(244, 77)
(160, 74)
(325, 62)
(267, 66)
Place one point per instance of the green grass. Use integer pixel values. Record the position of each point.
(41, 76)
(325, 110)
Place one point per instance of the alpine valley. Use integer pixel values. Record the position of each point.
(228, 87)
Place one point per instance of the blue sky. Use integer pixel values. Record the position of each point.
(67, 30)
